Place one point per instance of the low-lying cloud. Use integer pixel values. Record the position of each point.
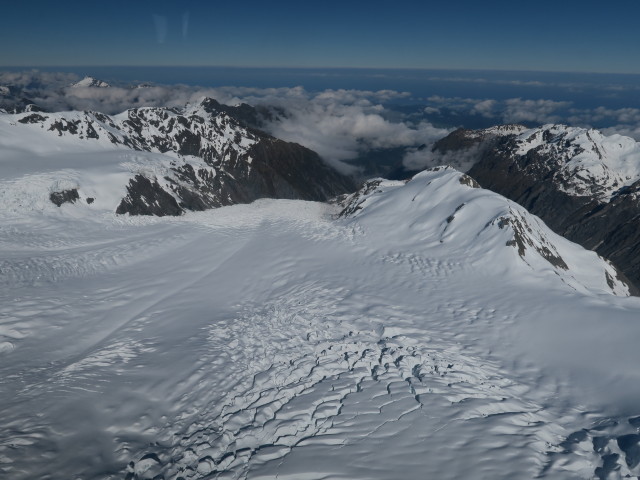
(512, 110)
(462, 160)
(341, 125)
(624, 121)
(338, 124)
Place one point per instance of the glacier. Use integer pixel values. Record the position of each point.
(420, 329)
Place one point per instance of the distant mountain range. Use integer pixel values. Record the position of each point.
(202, 156)
(583, 184)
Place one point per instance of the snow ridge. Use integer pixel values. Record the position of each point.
(442, 205)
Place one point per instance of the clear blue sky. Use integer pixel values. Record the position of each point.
(560, 35)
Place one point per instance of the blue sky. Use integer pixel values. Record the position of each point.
(543, 35)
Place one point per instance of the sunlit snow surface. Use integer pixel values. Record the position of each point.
(276, 340)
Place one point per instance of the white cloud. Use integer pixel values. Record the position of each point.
(512, 110)
(341, 125)
(608, 115)
(338, 124)
(538, 111)
(485, 108)
(632, 131)
(463, 160)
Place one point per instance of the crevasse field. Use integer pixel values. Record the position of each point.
(403, 340)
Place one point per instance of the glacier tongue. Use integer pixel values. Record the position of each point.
(408, 338)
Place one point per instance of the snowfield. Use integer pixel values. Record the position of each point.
(432, 330)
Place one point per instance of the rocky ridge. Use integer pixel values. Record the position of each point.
(583, 184)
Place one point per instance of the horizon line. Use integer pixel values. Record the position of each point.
(297, 67)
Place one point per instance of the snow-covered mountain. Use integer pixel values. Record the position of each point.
(420, 329)
(583, 184)
(156, 161)
(89, 81)
(480, 224)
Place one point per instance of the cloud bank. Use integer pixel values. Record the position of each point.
(624, 121)
(341, 125)
(338, 124)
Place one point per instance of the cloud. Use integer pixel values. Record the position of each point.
(518, 110)
(632, 131)
(463, 160)
(512, 110)
(602, 114)
(338, 124)
(344, 124)
(485, 108)
(34, 79)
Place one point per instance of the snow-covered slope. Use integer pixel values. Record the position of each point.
(435, 209)
(153, 161)
(584, 161)
(583, 184)
(421, 330)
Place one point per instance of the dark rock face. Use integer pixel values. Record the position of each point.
(522, 240)
(270, 169)
(65, 196)
(537, 181)
(289, 170)
(147, 198)
(33, 118)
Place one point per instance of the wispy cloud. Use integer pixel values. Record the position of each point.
(421, 158)
(512, 110)
(518, 110)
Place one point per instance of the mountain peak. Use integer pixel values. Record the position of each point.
(440, 208)
(89, 81)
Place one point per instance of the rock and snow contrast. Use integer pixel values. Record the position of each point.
(90, 82)
(153, 161)
(581, 162)
(583, 184)
(421, 329)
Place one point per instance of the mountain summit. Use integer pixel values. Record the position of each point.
(88, 81)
